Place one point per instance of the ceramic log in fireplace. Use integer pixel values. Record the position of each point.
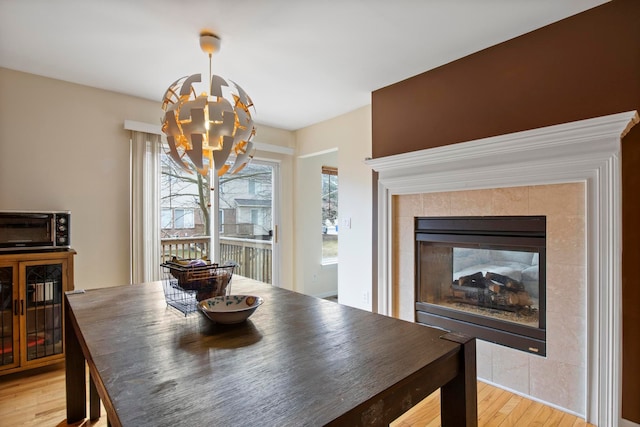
(484, 276)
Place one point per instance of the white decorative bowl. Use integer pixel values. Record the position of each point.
(230, 309)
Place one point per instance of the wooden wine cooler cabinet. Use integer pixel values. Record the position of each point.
(32, 287)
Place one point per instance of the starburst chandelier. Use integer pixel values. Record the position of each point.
(204, 129)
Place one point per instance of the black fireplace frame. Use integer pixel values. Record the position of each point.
(527, 233)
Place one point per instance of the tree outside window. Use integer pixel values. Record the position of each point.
(184, 201)
(245, 202)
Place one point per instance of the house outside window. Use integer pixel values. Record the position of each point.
(246, 200)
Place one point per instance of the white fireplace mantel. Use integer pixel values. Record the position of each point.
(583, 151)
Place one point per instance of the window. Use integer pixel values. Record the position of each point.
(329, 214)
(247, 200)
(172, 214)
(243, 223)
(183, 218)
(177, 218)
(166, 218)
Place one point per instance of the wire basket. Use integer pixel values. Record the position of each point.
(185, 286)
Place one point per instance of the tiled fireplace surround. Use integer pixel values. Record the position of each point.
(558, 378)
(571, 174)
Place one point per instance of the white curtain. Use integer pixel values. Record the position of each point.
(145, 207)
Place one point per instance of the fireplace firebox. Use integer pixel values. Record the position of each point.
(485, 277)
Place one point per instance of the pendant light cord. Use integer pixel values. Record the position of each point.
(209, 83)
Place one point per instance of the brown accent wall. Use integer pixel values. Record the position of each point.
(582, 67)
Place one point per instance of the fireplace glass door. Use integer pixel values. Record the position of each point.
(484, 276)
(501, 284)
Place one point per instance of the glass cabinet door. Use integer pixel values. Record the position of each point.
(8, 316)
(43, 310)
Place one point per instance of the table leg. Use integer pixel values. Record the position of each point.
(94, 400)
(459, 397)
(75, 376)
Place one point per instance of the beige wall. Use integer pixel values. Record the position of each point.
(314, 278)
(64, 146)
(350, 136)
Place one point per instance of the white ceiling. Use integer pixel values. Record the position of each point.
(301, 61)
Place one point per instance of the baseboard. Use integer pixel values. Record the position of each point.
(326, 294)
(623, 422)
(535, 399)
(627, 423)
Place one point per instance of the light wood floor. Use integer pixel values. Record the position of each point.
(496, 408)
(36, 398)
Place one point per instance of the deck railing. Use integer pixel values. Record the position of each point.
(184, 247)
(254, 257)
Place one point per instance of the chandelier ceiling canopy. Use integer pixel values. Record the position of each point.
(204, 129)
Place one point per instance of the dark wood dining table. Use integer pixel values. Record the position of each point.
(298, 361)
